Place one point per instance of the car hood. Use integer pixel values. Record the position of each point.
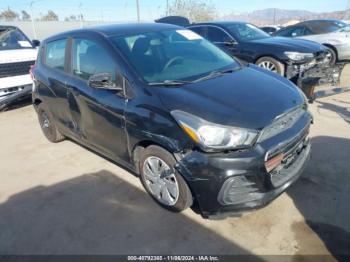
(290, 44)
(248, 98)
(17, 55)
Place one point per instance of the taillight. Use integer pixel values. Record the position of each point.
(31, 69)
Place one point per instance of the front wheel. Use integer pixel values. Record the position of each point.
(162, 181)
(331, 57)
(271, 64)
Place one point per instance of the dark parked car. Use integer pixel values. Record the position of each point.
(195, 124)
(245, 41)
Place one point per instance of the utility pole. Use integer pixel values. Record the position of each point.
(167, 7)
(274, 16)
(32, 19)
(138, 10)
(80, 16)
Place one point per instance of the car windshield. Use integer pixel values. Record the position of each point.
(172, 55)
(12, 38)
(246, 32)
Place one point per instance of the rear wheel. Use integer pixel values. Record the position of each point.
(162, 181)
(48, 126)
(271, 64)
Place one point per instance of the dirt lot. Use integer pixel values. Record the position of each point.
(64, 199)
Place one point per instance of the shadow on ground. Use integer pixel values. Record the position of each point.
(322, 195)
(343, 112)
(100, 214)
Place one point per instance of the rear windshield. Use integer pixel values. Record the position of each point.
(13, 38)
(172, 55)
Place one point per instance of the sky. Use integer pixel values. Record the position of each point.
(125, 10)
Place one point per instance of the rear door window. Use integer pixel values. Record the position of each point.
(89, 58)
(55, 54)
(216, 35)
(292, 32)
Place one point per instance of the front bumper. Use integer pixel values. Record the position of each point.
(237, 181)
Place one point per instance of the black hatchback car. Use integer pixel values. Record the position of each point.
(196, 125)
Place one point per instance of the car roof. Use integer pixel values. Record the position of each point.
(319, 20)
(8, 27)
(120, 29)
(219, 23)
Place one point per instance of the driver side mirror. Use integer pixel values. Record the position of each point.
(103, 81)
(230, 42)
(35, 43)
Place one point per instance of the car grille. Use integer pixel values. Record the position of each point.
(15, 69)
(291, 150)
(282, 123)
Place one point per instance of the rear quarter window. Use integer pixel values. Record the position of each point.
(55, 54)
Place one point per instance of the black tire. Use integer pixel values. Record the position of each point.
(278, 66)
(184, 199)
(48, 125)
(333, 56)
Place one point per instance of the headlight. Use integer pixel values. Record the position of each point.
(296, 56)
(210, 136)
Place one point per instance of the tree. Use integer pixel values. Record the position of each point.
(50, 16)
(70, 18)
(25, 16)
(194, 10)
(8, 15)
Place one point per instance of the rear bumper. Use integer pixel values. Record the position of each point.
(238, 181)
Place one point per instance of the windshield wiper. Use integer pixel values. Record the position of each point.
(217, 73)
(170, 83)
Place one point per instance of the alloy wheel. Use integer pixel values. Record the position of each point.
(268, 66)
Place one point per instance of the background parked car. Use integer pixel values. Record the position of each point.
(335, 34)
(17, 55)
(270, 29)
(287, 57)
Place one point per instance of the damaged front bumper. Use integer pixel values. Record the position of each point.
(316, 72)
(229, 183)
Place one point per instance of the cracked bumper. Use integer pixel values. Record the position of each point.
(238, 181)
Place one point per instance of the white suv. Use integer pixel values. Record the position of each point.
(17, 55)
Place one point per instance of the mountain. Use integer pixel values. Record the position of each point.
(281, 16)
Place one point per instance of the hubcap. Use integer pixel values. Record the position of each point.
(45, 124)
(161, 181)
(329, 58)
(46, 121)
(268, 65)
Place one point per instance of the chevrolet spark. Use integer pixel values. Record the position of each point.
(198, 127)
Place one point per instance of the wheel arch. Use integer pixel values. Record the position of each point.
(333, 48)
(139, 147)
(270, 56)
